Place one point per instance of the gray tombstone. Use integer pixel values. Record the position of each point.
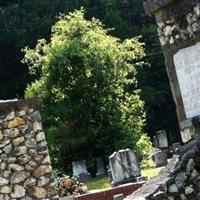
(160, 140)
(80, 170)
(124, 167)
(100, 167)
(159, 158)
(79, 167)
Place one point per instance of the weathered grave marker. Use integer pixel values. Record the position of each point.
(159, 158)
(160, 140)
(80, 170)
(124, 167)
(79, 167)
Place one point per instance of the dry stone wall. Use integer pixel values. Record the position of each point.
(180, 180)
(175, 30)
(177, 24)
(25, 168)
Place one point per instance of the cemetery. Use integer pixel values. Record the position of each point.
(80, 131)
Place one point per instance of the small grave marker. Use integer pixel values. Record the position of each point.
(80, 170)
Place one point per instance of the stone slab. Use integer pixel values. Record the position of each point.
(124, 166)
(187, 66)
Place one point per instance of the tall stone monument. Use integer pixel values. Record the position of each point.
(179, 32)
(25, 167)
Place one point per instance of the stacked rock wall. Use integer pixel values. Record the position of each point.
(179, 23)
(25, 168)
(180, 180)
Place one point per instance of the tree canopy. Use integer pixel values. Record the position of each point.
(83, 78)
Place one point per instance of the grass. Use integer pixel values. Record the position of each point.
(98, 183)
(103, 182)
(151, 172)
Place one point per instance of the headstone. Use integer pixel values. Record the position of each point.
(124, 167)
(100, 167)
(79, 167)
(80, 170)
(162, 139)
(181, 46)
(159, 158)
(118, 197)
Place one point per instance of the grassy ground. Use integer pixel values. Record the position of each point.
(98, 183)
(103, 182)
(151, 172)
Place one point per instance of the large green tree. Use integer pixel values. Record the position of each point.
(23, 22)
(83, 75)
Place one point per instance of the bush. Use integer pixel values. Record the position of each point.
(145, 148)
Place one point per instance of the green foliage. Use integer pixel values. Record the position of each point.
(151, 172)
(144, 145)
(83, 76)
(145, 148)
(99, 183)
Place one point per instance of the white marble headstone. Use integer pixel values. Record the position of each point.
(187, 65)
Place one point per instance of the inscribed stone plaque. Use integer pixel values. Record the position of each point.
(187, 65)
